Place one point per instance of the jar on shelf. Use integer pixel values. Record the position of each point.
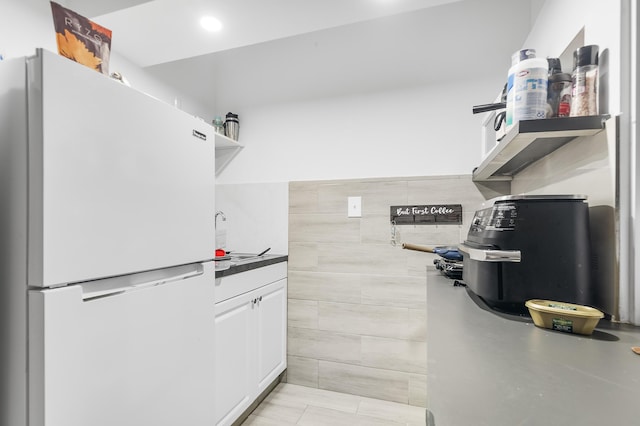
(584, 93)
(218, 125)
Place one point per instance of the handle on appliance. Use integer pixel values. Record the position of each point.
(409, 246)
(482, 255)
(118, 285)
(488, 107)
(182, 276)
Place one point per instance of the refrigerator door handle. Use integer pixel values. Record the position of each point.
(178, 277)
(109, 287)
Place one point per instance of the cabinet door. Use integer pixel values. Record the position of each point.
(272, 332)
(234, 365)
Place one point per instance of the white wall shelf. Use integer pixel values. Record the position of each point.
(226, 150)
(530, 140)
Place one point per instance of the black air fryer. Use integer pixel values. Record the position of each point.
(529, 247)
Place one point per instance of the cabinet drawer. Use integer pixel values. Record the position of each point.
(234, 285)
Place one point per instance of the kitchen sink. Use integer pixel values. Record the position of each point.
(241, 256)
(244, 256)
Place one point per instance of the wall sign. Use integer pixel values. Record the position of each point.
(433, 214)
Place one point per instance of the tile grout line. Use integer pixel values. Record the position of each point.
(356, 334)
(306, 406)
(358, 407)
(356, 365)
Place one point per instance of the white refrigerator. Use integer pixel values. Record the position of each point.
(106, 245)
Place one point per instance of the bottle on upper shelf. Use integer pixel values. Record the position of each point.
(585, 81)
(527, 87)
(218, 125)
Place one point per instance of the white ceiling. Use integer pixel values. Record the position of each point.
(92, 8)
(283, 50)
(160, 31)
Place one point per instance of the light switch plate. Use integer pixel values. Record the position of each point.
(354, 206)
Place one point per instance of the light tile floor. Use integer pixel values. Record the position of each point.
(291, 404)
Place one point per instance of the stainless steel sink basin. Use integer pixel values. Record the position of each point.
(241, 256)
(244, 256)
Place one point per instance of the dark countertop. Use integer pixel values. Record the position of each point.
(487, 368)
(247, 265)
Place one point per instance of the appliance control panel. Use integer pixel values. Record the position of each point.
(500, 217)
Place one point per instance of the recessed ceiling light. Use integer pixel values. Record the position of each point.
(210, 23)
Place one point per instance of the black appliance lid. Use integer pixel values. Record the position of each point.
(525, 197)
(539, 197)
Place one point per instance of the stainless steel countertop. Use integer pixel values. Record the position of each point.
(486, 368)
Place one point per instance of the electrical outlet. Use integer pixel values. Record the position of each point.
(354, 206)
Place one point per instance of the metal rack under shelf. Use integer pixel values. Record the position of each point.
(530, 140)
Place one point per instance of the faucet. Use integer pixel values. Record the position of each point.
(220, 213)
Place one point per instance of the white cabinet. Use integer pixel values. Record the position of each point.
(271, 314)
(250, 321)
(234, 335)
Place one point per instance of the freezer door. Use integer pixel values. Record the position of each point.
(119, 182)
(139, 355)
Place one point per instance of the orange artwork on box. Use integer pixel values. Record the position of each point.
(81, 40)
(70, 47)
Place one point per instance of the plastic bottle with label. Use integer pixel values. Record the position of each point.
(530, 88)
(518, 56)
(517, 60)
